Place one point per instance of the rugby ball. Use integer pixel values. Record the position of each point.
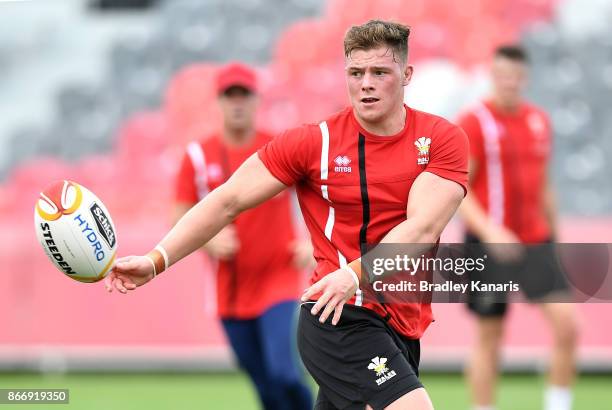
(76, 231)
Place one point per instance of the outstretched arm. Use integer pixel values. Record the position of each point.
(249, 186)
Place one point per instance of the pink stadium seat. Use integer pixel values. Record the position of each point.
(39, 171)
(478, 42)
(524, 12)
(430, 40)
(190, 103)
(98, 171)
(33, 176)
(277, 114)
(303, 45)
(468, 9)
(143, 135)
(349, 12)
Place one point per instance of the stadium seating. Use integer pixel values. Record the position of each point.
(302, 62)
(134, 55)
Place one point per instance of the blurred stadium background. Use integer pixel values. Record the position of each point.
(108, 92)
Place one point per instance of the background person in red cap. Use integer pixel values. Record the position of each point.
(259, 259)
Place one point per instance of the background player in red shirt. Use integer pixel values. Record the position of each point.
(375, 172)
(259, 262)
(510, 202)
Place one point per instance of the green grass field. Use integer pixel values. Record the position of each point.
(233, 391)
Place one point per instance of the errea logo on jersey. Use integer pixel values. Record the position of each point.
(342, 164)
(379, 365)
(422, 145)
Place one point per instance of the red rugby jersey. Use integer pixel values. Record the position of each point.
(353, 187)
(262, 272)
(512, 151)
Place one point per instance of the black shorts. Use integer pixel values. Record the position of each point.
(360, 361)
(538, 275)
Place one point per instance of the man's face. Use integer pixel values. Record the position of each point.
(509, 80)
(238, 106)
(376, 80)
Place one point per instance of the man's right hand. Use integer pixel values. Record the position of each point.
(503, 243)
(128, 273)
(224, 245)
(499, 234)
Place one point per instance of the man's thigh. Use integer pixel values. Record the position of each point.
(360, 361)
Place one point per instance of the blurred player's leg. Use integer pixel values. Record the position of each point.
(277, 336)
(483, 365)
(562, 318)
(244, 338)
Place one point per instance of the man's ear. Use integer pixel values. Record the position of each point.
(407, 74)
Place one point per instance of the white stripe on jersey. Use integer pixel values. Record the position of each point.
(329, 226)
(495, 178)
(324, 150)
(198, 160)
(325, 192)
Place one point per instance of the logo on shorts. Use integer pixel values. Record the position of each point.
(379, 365)
(422, 145)
(342, 164)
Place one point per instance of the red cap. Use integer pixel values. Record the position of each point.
(236, 74)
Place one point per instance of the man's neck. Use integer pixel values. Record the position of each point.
(505, 106)
(237, 137)
(391, 125)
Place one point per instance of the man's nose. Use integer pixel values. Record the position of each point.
(366, 82)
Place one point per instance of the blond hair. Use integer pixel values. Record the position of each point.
(376, 33)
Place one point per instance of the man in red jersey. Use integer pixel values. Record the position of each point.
(258, 281)
(511, 202)
(360, 178)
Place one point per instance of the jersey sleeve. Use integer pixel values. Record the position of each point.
(185, 187)
(287, 155)
(470, 124)
(449, 155)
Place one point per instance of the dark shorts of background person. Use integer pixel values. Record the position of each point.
(345, 360)
(537, 273)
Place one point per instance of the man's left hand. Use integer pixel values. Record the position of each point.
(335, 290)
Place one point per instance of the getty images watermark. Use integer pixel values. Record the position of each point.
(496, 273)
(412, 266)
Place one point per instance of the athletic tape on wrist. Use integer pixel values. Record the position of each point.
(153, 264)
(164, 255)
(159, 259)
(354, 274)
